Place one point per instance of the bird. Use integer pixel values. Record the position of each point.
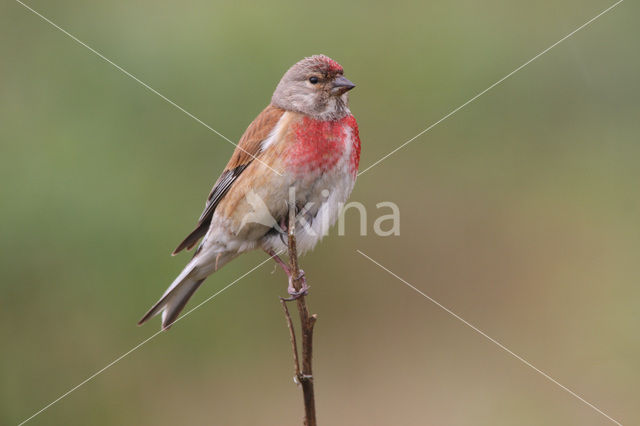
(303, 148)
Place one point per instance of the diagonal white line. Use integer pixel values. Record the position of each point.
(94, 375)
(491, 87)
(145, 85)
(491, 339)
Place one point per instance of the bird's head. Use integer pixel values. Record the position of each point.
(314, 86)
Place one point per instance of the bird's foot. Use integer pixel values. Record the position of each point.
(296, 294)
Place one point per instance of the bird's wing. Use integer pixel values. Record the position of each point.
(247, 150)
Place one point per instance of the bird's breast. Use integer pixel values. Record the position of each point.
(322, 146)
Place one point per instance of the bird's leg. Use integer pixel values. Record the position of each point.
(280, 262)
(295, 294)
(284, 225)
(284, 229)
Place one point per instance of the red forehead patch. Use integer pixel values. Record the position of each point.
(332, 66)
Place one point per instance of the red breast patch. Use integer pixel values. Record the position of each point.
(320, 144)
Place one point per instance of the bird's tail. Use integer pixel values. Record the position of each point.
(182, 288)
(175, 298)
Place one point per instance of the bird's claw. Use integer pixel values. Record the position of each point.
(284, 225)
(296, 294)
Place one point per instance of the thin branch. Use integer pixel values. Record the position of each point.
(292, 337)
(304, 374)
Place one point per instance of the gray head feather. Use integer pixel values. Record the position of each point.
(308, 87)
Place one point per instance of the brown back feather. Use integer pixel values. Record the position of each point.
(247, 150)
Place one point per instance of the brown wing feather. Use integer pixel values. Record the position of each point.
(247, 150)
(249, 145)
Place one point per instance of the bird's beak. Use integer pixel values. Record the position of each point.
(342, 85)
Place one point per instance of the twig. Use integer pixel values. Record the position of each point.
(304, 375)
(292, 337)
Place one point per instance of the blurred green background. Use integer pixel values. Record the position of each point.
(520, 213)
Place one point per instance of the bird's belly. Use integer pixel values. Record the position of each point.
(318, 206)
(323, 206)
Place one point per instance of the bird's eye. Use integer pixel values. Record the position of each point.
(313, 80)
